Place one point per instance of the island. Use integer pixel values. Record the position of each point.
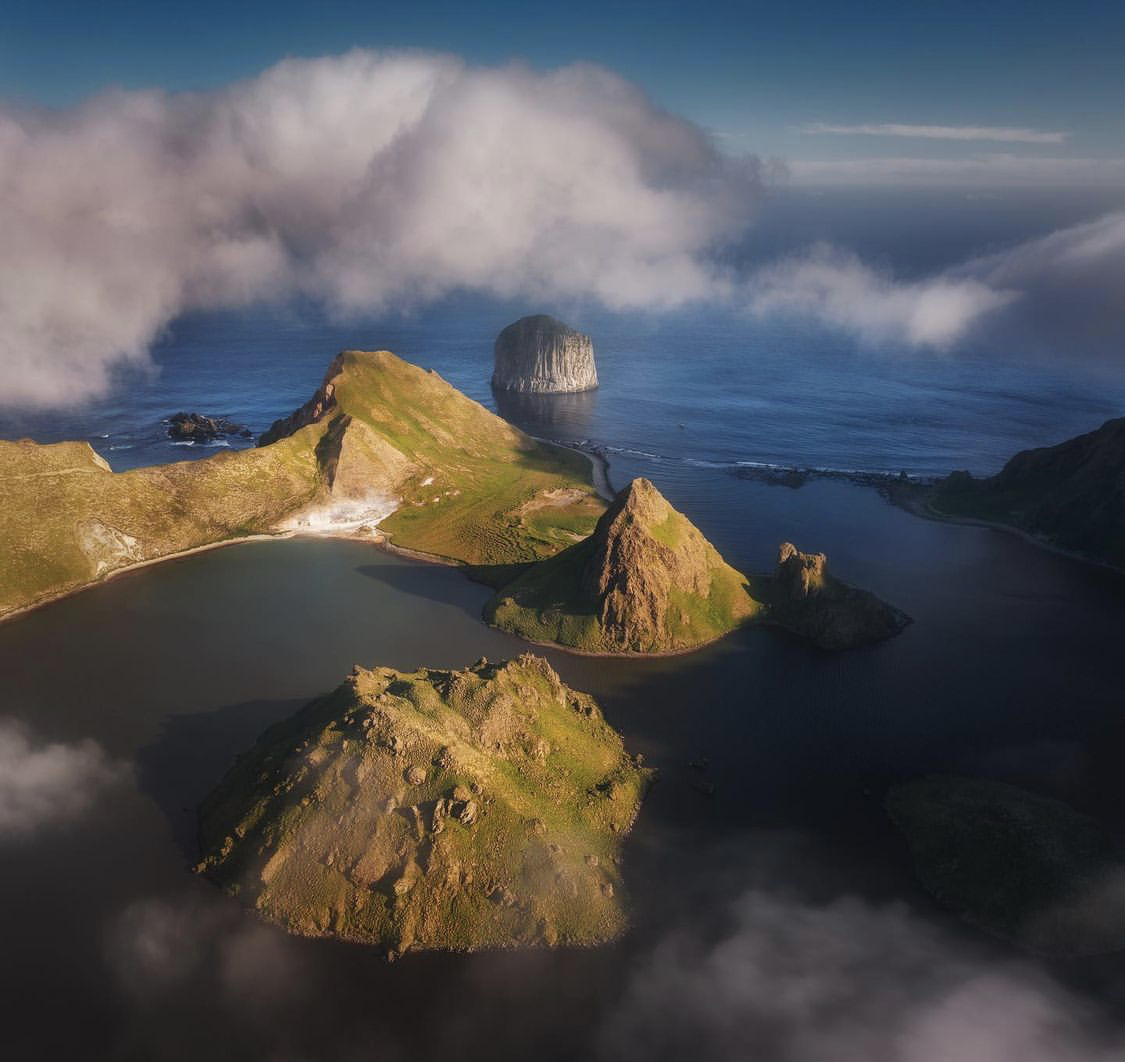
(645, 581)
(381, 443)
(648, 581)
(1021, 866)
(541, 355)
(1070, 496)
(455, 810)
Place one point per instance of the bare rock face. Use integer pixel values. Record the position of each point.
(541, 355)
(808, 601)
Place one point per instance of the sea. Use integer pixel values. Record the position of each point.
(772, 900)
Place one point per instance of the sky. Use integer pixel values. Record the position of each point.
(952, 92)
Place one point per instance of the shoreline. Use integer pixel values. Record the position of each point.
(921, 508)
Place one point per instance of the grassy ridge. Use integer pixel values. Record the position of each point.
(473, 488)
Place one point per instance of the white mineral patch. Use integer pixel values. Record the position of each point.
(343, 515)
(106, 547)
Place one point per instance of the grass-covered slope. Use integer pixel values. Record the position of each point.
(1071, 496)
(478, 490)
(67, 520)
(441, 809)
(646, 581)
(379, 434)
(1019, 865)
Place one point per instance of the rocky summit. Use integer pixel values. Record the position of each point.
(806, 599)
(1071, 496)
(646, 581)
(541, 355)
(459, 810)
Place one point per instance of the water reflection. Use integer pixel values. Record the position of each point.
(567, 416)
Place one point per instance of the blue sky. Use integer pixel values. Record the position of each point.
(761, 76)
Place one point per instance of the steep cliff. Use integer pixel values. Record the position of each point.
(457, 810)
(540, 354)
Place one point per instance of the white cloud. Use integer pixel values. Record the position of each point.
(988, 170)
(1064, 292)
(366, 180)
(836, 288)
(843, 982)
(156, 946)
(43, 785)
(999, 133)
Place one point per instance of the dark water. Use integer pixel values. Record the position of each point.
(1011, 669)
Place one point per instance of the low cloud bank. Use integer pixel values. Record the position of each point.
(1063, 293)
(837, 289)
(368, 181)
(43, 785)
(843, 982)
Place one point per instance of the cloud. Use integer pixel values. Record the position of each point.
(834, 287)
(1060, 293)
(843, 981)
(157, 946)
(369, 181)
(44, 785)
(996, 170)
(1008, 134)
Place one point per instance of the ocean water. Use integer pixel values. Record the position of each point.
(1011, 670)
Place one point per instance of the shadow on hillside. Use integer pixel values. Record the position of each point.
(192, 754)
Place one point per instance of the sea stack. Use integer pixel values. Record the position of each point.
(541, 355)
(806, 599)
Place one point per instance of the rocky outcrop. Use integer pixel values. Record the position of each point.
(436, 809)
(541, 355)
(1071, 496)
(805, 599)
(646, 581)
(200, 428)
(1019, 865)
(316, 408)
